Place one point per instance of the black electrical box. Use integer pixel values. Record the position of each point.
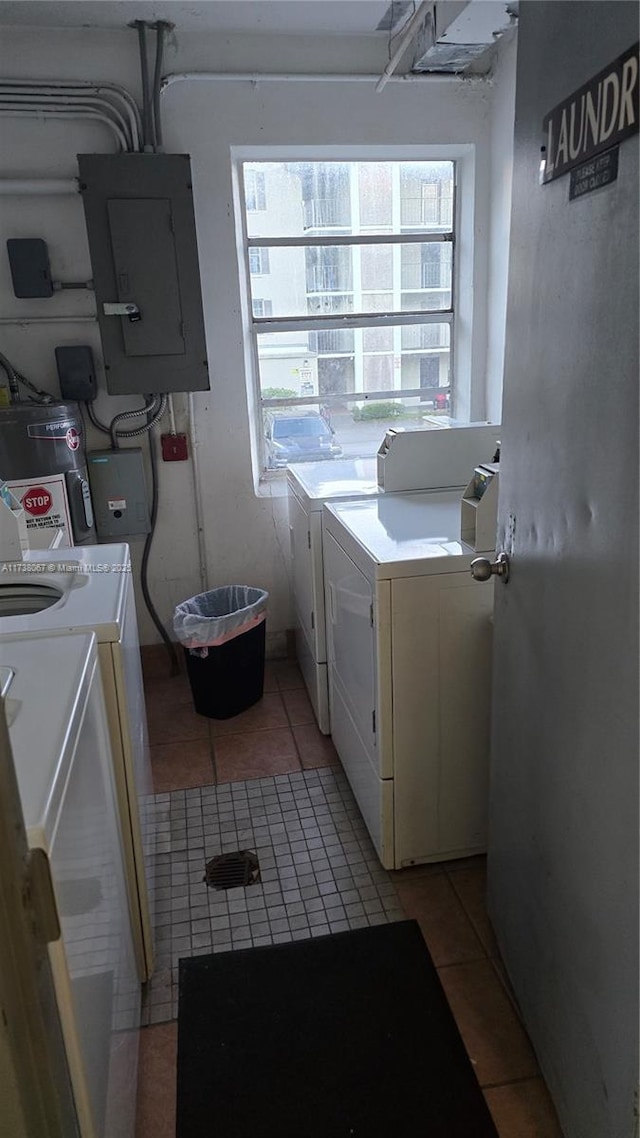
(29, 263)
(142, 241)
(76, 372)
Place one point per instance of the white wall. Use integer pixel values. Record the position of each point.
(247, 537)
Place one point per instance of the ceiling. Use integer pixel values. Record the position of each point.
(301, 17)
(458, 37)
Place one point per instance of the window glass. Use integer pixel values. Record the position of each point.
(300, 198)
(361, 278)
(345, 250)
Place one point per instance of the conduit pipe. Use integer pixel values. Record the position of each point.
(147, 122)
(22, 98)
(274, 77)
(18, 320)
(197, 497)
(37, 186)
(83, 86)
(162, 27)
(41, 112)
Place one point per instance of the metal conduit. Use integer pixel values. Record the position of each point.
(273, 77)
(82, 85)
(35, 186)
(42, 112)
(22, 99)
(16, 321)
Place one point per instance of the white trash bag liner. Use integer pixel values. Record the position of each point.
(212, 618)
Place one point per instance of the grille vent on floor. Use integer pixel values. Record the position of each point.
(232, 870)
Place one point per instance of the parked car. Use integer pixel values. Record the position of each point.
(302, 437)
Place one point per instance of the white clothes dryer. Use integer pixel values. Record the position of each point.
(409, 660)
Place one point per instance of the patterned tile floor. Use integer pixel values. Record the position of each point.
(319, 871)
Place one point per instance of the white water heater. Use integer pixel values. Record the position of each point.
(43, 462)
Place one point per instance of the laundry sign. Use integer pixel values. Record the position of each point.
(595, 118)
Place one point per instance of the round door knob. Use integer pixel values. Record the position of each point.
(483, 570)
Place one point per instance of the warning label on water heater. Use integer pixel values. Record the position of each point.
(46, 509)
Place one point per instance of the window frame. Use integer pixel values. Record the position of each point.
(458, 316)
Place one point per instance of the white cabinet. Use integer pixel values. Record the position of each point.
(409, 664)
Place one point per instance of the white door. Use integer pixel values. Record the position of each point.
(563, 825)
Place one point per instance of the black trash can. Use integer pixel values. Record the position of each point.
(229, 677)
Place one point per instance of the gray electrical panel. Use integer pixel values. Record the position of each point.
(119, 493)
(144, 257)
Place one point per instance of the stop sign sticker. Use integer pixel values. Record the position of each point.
(72, 438)
(37, 501)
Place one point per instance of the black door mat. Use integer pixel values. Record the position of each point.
(345, 1036)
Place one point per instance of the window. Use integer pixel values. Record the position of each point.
(359, 326)
(254, 187)
(261, 307)
(258, 262)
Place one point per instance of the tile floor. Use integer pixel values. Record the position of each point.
(318, 871)
(269, 781)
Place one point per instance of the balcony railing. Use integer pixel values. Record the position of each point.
(425, 336)
(332, 340)
(324, 213)
(328, 278)
(436, 212)
(428, 275)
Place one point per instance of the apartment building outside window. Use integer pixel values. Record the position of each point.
(351, 279)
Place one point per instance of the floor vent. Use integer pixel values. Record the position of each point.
(232, 870)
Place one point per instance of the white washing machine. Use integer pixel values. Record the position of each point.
(409, 663)
(60, 743)
(93, 591)
(433, 460)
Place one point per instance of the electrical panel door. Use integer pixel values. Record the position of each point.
(144, 257)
